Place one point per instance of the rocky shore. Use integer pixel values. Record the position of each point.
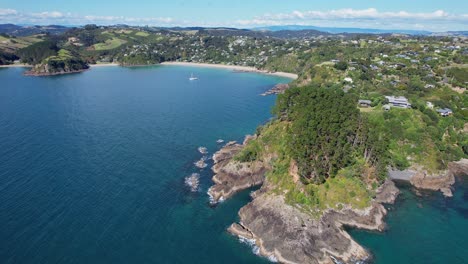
(38, 74)
(47, 70)
(232, 176)
(287, 233)
(277, 89)
(441, 181)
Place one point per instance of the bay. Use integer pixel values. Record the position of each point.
(92, 165)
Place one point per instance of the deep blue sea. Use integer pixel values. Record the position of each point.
(92, 169)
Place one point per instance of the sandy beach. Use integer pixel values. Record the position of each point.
(103, 65)
(192, 64)
(15, 66)
(233, 67)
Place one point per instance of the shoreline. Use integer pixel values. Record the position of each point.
(240, 69)
(232, 67)
(16, 66)
(103, 65)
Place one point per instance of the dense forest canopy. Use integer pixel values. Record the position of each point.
(327, 132)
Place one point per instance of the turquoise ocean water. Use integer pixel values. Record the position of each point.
(92, 170)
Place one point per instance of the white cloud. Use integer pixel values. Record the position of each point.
(349, 13)
(437, 20)
(56, 17)
(46, 15)
(7, 12)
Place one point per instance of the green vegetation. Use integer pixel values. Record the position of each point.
(142, 34)
(327, 132)
(323, 151)
(458, 75)
(63, 62)
(37, 52)
(109, 44)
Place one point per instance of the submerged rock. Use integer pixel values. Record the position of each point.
(193, 181)
(201, 164)
(203, 150)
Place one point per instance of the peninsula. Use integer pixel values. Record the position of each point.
(361, 109)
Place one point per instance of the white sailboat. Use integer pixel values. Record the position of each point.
(193, 78)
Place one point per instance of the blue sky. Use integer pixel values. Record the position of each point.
(395, 14)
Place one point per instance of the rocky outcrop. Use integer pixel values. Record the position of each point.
(232, 176)
(277, 89)
(441, 181)
(436, 182)
(290, 235)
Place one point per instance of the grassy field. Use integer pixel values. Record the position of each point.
(12, 44)
(109, 44)
(142, 34)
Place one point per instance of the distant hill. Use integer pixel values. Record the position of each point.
(224, 31)
(16, 30)
(334, 30)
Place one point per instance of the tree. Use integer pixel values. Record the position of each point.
(323, 130)
(342, 66)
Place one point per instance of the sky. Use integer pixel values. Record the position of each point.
(432, 15)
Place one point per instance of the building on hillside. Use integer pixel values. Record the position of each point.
(398, 101)
(364, 103)
(430, 105)
(445, 112)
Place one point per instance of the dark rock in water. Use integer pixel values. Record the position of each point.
(277, 89)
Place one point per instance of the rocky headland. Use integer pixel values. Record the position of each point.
(57, 68)
(288, 233)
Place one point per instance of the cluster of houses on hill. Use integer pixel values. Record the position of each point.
(403, 102)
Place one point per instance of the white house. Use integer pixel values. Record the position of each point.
(398, 101)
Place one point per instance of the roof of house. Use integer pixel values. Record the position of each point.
(444, 110)
(397, 99)
(365, 102)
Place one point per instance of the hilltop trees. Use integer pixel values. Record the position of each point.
(327, 132)
(37, 52)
